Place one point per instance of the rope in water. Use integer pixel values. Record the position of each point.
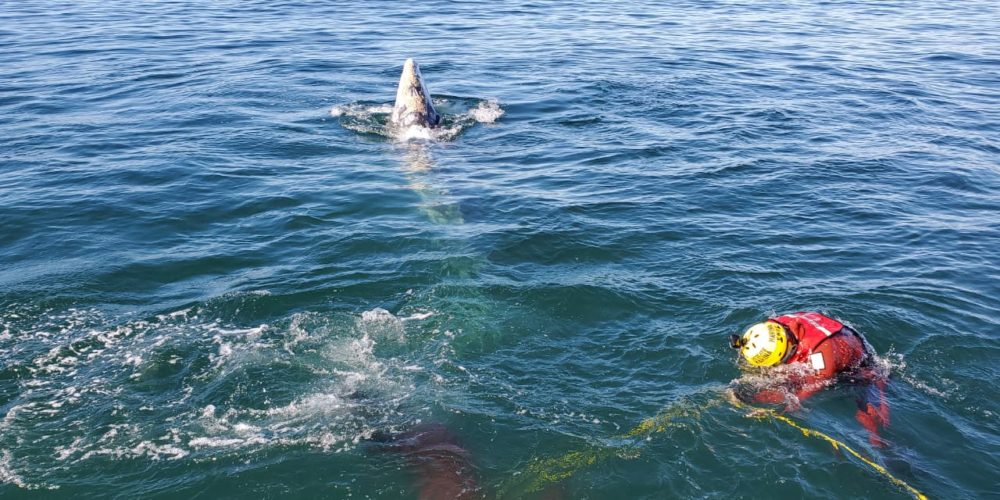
(762, 413)
(541, 473)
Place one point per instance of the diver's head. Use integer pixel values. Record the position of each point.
(763, 344)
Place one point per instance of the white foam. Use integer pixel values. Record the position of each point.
(371, 119)
(381, 324)
(326, 417)
(923, 386)
(297, 333)
(781, 379)
(895, 362)
(360, 111)
(488, 111)
(309, 420)
(312, 405)
(418, 316)
(203, 442)
(107, 436)
(242, 428)
(378, 314)
(64, 452)
(9, 475)
(182, 313)
(143, 449)
(415, 133)
(234, 344)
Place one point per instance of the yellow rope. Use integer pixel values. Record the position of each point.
(761, 413)
(541, 473)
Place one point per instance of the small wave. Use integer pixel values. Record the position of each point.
(418, 133)
(923, 386)
(418, 316)
(895, 363)
(350, 390)
(488, 111)
(142, 449)
(323, 420)
(382, 324)
(10, 476)
(360, 110)
(457, 115)
(783, 380)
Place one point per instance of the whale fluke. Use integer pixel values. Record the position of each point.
(413, 101)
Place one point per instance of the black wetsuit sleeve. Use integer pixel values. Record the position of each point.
(744, 393)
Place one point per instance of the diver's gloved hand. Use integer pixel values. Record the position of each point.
(731, 396)
(737, 395)
(870, 419)
(792, 404)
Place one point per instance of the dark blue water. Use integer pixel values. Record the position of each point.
(210, 285)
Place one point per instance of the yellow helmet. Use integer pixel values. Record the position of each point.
(764, 344)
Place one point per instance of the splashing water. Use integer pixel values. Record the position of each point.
(458, 114)
(88, 391)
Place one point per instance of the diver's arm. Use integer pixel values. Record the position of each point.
(825, 366)
(770, 396)
(811, 387)
(747, 395)
(800, 389)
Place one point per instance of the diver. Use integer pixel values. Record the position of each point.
(818, 351)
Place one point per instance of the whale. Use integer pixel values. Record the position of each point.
(413, 102)
(442, 467)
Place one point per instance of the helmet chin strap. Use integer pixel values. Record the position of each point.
(736, 341)
(793, 345)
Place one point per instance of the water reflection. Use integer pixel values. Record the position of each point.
(436, 202)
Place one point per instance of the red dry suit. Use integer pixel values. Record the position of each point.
(833, 351)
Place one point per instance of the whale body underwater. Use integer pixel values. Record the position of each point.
(413, 102)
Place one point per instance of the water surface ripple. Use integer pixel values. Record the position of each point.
(211, 286)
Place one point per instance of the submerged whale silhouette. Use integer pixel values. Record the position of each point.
(413, 101)
(443, 468)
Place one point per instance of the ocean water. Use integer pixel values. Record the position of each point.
(222, 276)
